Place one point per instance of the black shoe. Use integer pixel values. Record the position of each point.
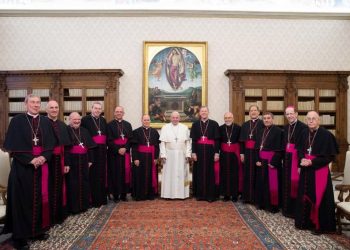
(226, 198)
(116, 200)
(20, 244)
(316, 232)
(43, 236)
(123, 198)
(234, 199)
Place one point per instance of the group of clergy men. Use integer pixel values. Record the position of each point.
(58, 170)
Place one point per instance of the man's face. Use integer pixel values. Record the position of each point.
(313, 120)
(268, 120)
(146, 121)
(52, 110)
(228, 118)
(118, 113)
(203, 112)
(175, 118)
(96, 110)
(75, 120)
(33, 105)
(291, 115)
(254, 112)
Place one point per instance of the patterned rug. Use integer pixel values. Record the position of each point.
(177, 224)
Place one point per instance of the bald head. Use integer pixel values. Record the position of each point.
(52, 110)
(119, 113)
(313, 120)
(146, 121)
(228, 118)
(74, 119)
(175, 118)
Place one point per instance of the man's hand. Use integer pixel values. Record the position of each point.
(258, 163)
(194, 156)
(242, 157)
(216, 157)
(66, 169)
(122, 151)
(89, 164)
(137, 163)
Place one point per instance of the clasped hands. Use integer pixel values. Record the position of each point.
(259, 164)
(305, 162)
(38, 161)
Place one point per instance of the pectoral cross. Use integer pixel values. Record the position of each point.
(229, 143)
(148, 144)
(287, 145)
(261, 147)
(35, 140)
(203, 138)
(81, 145)
(99, 132)
(309, 150)
(122, 136)
(250, 136)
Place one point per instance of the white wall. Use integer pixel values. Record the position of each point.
(117, 42)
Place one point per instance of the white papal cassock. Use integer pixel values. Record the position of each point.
(175, 146)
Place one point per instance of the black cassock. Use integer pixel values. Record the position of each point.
(290, 174)
(57, 180)
(315, 207)
(205, 143)
(119, 136)
(231, 175)
(269, 150)
(27, 211)
(78, 187)
(247, 138)
(145, 176)
(97, 128)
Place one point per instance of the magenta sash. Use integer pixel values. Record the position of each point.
(44, 189)
(150, 149)
(273, 177)
(206, 141)
(321, 178)
(59, 150)
(250, 144)
(235, 148)
(99, 139)
(290, 148)
(78, 150)
(122, 142)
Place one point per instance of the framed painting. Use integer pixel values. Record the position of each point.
(175, 78)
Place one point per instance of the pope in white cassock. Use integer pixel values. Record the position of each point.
(175, 151)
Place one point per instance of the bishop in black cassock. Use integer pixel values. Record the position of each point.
(30, 141)
(269, 150)
(248, 140)
(205, 152)
(58, 165)
(119, 162)
(231, 171)
(290, 173)
(81, 158)
(97, 127)
(145, 152)
(315, 207)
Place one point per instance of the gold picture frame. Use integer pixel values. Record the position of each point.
(175, 78)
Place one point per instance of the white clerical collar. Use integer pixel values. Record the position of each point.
(95, 116)
(145, 127)
(293, 122)
(204, 120)
(120, 120)
(34, 116)
(52, 119)
(254, 120)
